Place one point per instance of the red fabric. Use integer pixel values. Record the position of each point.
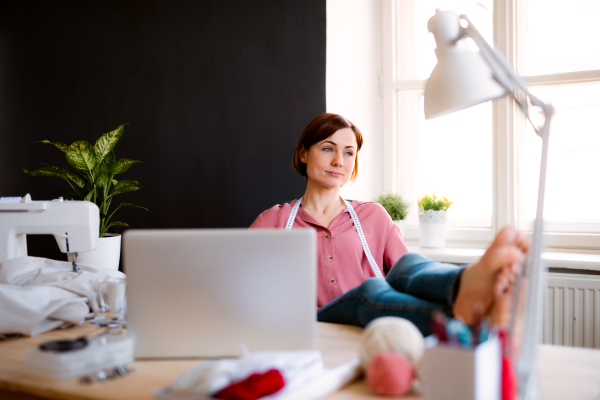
(253, 387)
(509, 378)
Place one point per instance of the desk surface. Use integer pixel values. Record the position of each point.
(338, 343)
(565, 372)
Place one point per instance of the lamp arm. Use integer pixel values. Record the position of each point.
(505, 76)
(502, 71)
(532, 275)
(535, 274)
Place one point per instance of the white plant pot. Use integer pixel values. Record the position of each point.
(432, 227)
(106, 255)
(400, 224)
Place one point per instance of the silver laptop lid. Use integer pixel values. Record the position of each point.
(207, 292)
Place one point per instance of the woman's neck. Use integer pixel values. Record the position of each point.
(322, 200)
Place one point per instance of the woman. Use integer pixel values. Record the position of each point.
(358, 244)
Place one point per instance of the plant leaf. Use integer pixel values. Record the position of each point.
(104, 170)
(75, 178)
(123, 189)
(51, 170)
(116, 223)
(394, 204)
(59, 145)
(81, 156)
(107, 142)
(127, 182)
(123, 165)
(434, 203)
(47, 170)
(88, 197)
(132, 205)
(82, 174)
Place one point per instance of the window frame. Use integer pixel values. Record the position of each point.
(508, 142)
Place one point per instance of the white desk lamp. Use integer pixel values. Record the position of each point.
(463, 78)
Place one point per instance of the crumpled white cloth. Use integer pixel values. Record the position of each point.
(38, 294)
(297, 367)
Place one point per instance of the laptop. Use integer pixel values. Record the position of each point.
(213, 292)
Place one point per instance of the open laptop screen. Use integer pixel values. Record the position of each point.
(207, 292)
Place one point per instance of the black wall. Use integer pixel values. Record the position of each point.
(215, 94)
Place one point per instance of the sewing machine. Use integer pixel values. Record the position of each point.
(74, 224)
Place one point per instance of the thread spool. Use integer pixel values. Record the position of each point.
(391, 335)
(389, 374)
(390, 348)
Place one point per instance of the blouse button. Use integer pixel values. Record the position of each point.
(327, 236)
(333, 280)
(329, 258)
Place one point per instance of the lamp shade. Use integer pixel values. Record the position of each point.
(461, 78)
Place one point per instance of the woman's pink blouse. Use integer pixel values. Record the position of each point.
(342, 263)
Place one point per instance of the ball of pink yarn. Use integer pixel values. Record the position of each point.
(389, 374)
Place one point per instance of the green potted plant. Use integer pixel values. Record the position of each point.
(396, 207)
(433, 212)
(93, 179)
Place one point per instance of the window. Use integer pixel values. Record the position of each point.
(486, 158)
(562, 67)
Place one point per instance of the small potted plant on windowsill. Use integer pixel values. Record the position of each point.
(396, 207)
(94, 180)
(433, 213)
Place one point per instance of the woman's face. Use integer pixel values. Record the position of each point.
(330, 162)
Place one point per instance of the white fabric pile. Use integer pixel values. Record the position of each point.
(304, 373)
(38, 294)
(298, 368)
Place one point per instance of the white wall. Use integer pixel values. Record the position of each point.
(352, 87)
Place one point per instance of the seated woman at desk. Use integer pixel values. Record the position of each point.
(357, 244)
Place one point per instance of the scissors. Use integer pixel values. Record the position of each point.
(60, 346)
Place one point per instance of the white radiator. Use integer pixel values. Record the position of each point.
(572, 310)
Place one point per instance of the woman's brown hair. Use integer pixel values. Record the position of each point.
(319, 129)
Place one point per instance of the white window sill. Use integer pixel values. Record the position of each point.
(552, 259)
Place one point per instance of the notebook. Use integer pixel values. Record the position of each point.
(214, 292)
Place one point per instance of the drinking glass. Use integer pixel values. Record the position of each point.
(108, 302)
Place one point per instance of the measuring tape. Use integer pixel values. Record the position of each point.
(361, 235)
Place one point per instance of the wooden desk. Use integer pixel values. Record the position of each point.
(565, 372)
(338, 343)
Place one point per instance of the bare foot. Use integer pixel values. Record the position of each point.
(502, 307)
(489, 277)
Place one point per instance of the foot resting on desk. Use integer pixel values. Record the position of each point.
(485, 280)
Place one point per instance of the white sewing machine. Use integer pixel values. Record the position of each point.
(74, 224)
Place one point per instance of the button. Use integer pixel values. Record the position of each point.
(328, 236)
(333, 280)
(329, 258)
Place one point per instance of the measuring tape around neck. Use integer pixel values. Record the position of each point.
(361, 235)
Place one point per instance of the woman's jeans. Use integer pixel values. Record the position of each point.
(414, 287)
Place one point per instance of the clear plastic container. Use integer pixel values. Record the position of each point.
(102, 353)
